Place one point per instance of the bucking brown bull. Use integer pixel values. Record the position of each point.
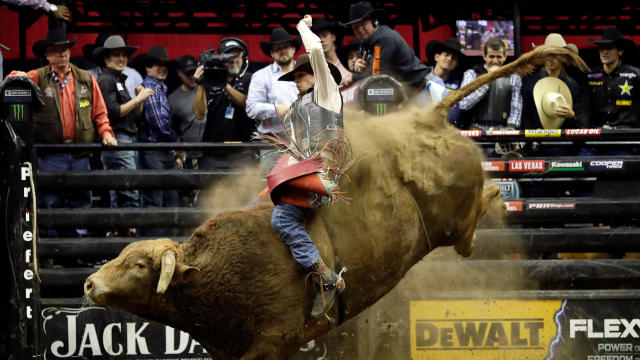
(234, 285)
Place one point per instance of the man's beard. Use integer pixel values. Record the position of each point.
(234, 70)
(284, 63)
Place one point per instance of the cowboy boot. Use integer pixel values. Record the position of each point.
(327, 283)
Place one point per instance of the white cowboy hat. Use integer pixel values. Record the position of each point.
(548, 93)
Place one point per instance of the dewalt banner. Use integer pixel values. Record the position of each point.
(482, 329)
(588, 329)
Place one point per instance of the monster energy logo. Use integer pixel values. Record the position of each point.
(381, 109)
(18, 111)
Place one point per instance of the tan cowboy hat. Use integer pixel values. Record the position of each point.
(556, 40)
(548, 93)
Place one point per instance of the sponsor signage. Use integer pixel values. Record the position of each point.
(513, 205)
(17, 93)
(380, 92)
(100, 333)
(552, 206)
(503, 132)
(349, 94)
(566, 166)
(583, 132)
(602, 165)
(493, 165)
(525, 329)
(526, 165)
(542, 133)
(471, 133)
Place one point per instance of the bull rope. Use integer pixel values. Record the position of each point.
(424, 226)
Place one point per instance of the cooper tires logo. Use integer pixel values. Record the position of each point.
(606, 164)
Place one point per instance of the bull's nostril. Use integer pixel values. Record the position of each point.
(88, 285)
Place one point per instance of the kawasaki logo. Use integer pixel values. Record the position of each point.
(381, 109)
(18, 111)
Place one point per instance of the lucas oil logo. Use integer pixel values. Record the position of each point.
(482, 329)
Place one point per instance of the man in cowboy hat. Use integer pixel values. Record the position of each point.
(441, 79)
(314, 124)
(552, 68)
(611, 93)
(123, 111)
(156, 127)
(396, 57)
(225, 109)
(74, 112)
(268, 100)
(330, 33)
(133, 76)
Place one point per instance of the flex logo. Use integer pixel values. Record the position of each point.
(18, 111)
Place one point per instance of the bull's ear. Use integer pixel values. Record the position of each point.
(185, 273)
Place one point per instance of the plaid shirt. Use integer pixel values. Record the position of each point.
(516, 98)
(156, 126)
(57, 79)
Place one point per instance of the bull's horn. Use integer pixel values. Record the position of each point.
(166, 271)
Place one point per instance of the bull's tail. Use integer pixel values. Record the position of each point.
(524, 65)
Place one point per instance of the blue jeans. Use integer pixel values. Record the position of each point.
(287, 220)
(122, 160)
(158, 160)
(73, 199)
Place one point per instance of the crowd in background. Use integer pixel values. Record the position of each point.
(121, 96)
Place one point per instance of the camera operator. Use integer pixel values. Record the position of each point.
(223, 100)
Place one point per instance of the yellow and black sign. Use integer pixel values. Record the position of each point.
(482, 329)
(542, 133)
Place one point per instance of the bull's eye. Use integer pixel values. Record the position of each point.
(139, 265)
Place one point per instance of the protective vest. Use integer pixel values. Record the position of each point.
(48, 122)
(303, 181)
(494, 108)
(313, 126)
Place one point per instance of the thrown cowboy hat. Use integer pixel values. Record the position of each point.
(451, 45)
(303, 63)
(278, 36)
(360, 11)
(87, 49)
(157, 54)
(53, 38)
(548, 93)
(113, 42)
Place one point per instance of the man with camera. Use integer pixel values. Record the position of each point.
(222, 97)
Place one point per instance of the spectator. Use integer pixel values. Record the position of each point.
(124, 113)
(330, 33)
(565, 115)
(188, 126)
(224, 107)
(156, 127)
(269, 100)
(442, 78)
(352, 53)
(74, 112)
(57, 11)
(396, 57)
(610, 95)
(497, 105)
(133, 77)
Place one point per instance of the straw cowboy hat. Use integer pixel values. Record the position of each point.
(303, 63)
(451, 45)
(548, 93)
(278, 36)
(556, 40)
(113, 42)
(53, 38)
(360, 11)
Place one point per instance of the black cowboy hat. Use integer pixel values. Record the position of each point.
(53, 38)
(343, 51)
(280, 35)
(611, 35)
(360, 11)
(87, 49)
(157, 54)
(322, 24)
(303, 63)
(113, 42)
(436, 47)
